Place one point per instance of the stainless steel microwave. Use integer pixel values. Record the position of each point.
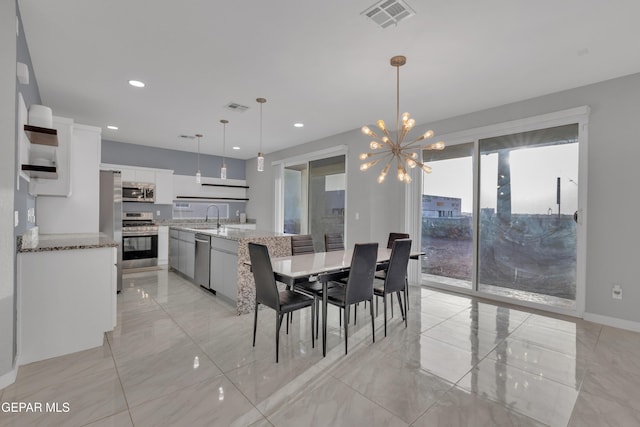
(138, 192)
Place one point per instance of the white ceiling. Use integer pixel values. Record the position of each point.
(320, 63)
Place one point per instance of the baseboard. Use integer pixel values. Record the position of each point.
(613, 321)
(8, 378)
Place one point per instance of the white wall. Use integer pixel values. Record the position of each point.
(614, 151)
(7, 184)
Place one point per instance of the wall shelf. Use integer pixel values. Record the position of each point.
(42, 136)
(224, 185)
(237, 199)
(44, 172)
(42, 152)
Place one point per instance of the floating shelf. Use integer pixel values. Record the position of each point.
(43, 149)
(237, 199)
(225, 185)
(42, 136)
(44, 172)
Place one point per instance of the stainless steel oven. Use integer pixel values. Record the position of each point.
(139, 240)
(138, 192)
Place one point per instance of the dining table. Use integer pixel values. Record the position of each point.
(323, 267)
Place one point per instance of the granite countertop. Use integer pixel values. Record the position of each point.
(228, 233)
(64, 242)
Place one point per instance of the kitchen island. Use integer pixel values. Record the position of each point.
(231, 276)
(66, 294)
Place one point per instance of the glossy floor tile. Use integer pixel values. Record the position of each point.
(181, 356)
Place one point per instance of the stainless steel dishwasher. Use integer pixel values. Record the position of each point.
(203, 261)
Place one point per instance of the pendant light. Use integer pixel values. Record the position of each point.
(198, 175)
(223, 169)
(260, 155)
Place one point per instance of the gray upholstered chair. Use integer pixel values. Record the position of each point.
(359, 285)
(395, 279)
(268, 294)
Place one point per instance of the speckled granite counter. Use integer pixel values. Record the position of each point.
(64, 242)
(228, 232)
(279, 244)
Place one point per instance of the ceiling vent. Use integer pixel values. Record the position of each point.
(388, 12)
(238, 108)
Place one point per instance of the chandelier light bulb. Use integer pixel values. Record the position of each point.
(374, 145)
(381, 125)
(428, 134)
(366, 130)
(363, 156)
(414, 155)
(426, 169)
(381, 178)
(405, 117)
(411, 163)
(386, 140)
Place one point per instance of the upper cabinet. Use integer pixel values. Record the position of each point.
(162, 178)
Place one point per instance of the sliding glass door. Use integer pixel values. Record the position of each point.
(310, 197)
(447, 217)
(528, 197)
(500, 216)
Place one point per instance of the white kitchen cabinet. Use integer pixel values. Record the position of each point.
(164, 187)
(224, 268)
(133, 174)
(163, 245)
(66, 301)
(162, 178)
(174, 249)
(187, 257)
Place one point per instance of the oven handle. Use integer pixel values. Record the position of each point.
(140, 234)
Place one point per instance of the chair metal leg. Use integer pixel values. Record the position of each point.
(346, 328)
(391, 304)
(289, 319)
(355, 314)
(255, 324)
(313, 315)
(402, 311)
(373, 326)
(317, 304)
(385, 314)
(279, 317)
(406, 292)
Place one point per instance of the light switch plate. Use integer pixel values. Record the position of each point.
(16, 218)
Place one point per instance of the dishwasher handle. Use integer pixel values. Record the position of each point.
(202, 241)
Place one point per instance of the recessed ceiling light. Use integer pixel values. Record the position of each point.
(298, 125)
(236, 148)
(112, 127)
(136, 83)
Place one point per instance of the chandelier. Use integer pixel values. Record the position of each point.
(385, 148)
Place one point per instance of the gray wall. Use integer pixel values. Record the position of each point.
(614, 150)
(182, 162)
(7, 184)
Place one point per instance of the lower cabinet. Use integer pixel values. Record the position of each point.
(224, 268)
(67, 301)
(163, 245)
(187, 253)
(174, 249)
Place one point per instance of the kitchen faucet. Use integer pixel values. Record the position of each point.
(206, 217)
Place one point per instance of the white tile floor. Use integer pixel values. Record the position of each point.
(181, 357)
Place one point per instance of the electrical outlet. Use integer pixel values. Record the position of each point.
(616, 292)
